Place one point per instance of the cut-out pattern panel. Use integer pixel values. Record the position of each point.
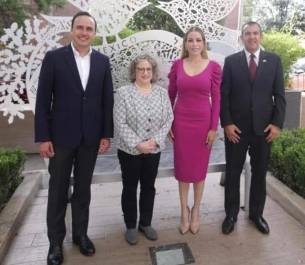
(26, 46)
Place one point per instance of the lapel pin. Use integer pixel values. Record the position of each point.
(264, 60)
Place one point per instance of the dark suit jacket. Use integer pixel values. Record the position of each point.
(65, 113)
(251, 106)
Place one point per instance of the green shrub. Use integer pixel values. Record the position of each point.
(126, 32)
(11, 165)
(287, 161)
(287, 46)
(97, 41)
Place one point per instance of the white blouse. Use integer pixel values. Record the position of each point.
(139, 117)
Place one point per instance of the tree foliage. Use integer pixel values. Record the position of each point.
(247, 11)
(297, 21)
(288, 47)
(288, 15)
(45, 5)
(11, 10)
(151, 17)
(16, 10)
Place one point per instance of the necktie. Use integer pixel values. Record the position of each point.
(252, 67)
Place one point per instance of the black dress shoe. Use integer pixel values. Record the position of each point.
(261, 224)
(55, 255)
(228, 225)
(86, 246)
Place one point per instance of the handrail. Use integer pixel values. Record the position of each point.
(115, 176)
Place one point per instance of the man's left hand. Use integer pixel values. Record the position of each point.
(104, 145)
(273, 132)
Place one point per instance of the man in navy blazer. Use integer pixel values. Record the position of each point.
(252, 115)
(73, 123)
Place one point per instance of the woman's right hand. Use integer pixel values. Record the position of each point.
(147, 147)
(171, 136)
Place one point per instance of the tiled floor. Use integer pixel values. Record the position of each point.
(245, 246)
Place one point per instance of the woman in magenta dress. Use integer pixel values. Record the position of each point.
(194, 91)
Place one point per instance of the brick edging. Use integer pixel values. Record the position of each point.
(11, 216)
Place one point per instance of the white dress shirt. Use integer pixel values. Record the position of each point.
(256, 56)
(83, 65)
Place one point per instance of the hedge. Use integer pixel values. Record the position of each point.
(287, 46)
(11, 165)
(287, 161)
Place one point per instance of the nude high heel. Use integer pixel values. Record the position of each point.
(195, 221)
(185, 222)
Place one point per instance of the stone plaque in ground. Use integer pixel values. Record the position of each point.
(174, 254)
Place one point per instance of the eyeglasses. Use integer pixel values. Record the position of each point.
(142, 70)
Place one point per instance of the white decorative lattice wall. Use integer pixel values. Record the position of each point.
(25, 47)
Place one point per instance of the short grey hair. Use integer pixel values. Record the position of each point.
(137, 60)
(250, 23)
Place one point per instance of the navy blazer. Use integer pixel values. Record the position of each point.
(66, 114)
(252, 106)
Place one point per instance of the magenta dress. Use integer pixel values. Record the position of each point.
(196, 103)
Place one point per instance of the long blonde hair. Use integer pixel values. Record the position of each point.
(184, 53)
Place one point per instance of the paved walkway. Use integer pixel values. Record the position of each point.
(245, 246)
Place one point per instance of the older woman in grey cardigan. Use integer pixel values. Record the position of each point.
(142, 119)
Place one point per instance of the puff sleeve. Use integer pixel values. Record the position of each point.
(215, 95)
(172, 87)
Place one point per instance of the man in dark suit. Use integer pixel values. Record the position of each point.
(252, 115)
(73, 123)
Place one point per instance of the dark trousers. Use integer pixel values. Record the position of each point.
(259, 151)
(82, 159)
(135, 168)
